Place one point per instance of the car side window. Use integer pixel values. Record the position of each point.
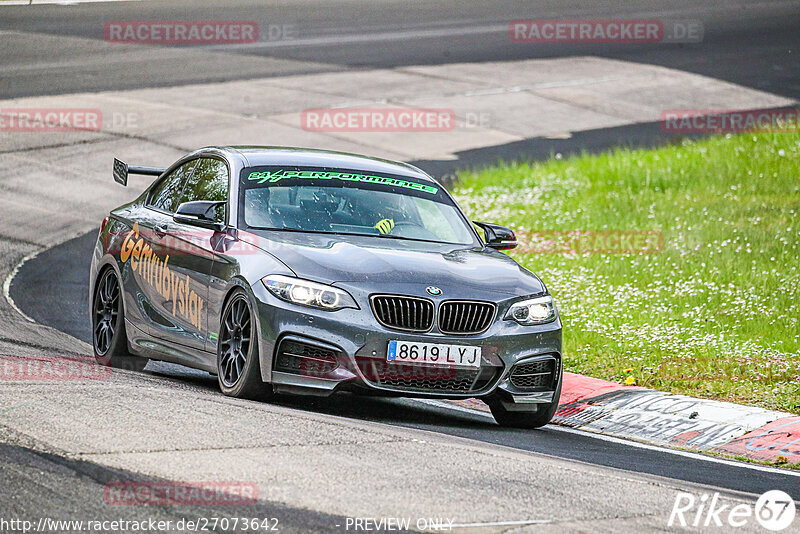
(209, 181)
(167, 194)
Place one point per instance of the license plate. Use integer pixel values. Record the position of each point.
(434, 354)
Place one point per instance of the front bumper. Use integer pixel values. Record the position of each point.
(346, 349)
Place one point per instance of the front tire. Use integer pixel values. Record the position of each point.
(535, 419)
(542, 416)
(109, 340)
(238, 369)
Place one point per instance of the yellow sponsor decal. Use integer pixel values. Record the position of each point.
(154, 271)
(385, 226)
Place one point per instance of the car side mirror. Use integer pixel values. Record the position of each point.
(497, 237)
(200, 213)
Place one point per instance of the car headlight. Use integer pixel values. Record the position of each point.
(307, 293)
(533, 311)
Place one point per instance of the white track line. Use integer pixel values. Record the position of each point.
(56, 2)
(7, 284)
(502, 523)
(630, 443)
(377, 36)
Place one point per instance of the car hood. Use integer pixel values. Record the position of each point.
(382, 262)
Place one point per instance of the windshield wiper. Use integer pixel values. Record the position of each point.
(289, 229)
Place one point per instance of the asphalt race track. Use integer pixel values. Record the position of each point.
(65, 53)
(59, 50)
(36, 285)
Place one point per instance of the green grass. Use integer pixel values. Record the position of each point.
(716, 312)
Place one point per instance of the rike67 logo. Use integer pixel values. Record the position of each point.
(775, 511)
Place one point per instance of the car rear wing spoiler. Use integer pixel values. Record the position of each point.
(122, 170)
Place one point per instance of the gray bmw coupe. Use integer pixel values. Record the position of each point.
(284, 270)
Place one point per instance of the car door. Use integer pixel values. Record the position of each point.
(188, 255)
(140, 255)
(165, 262)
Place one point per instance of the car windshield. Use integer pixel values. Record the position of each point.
(350, 202)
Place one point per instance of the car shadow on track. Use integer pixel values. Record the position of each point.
(401, 411)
